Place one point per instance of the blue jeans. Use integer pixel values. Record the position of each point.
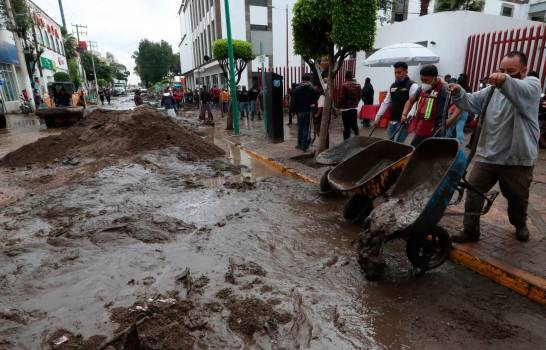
(457, 129)
(252, 106)
(243, 107)
(304, 120)
(402, 135)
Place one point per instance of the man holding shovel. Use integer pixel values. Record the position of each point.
(507, 149)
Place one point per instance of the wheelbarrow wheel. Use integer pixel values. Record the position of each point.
(325, 188)
(429, 251)
(357, 208)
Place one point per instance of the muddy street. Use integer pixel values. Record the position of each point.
(208, 251)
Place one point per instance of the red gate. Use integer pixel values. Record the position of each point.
(485, 51)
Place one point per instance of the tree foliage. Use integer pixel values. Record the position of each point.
(70, 44)
(22, 19)
(102, 83)
(242, 52)
(61, 76)
(334, 29)
(74, 72)
(119, 71)
(154, 61)
(457, 5)
(104, 71)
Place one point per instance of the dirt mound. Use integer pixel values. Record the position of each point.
(106, 133)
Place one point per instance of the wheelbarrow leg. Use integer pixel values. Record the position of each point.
(357, 208)
(371, 254)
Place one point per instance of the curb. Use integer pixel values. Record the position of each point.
(521, 282)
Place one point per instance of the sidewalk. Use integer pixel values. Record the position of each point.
(498, 255)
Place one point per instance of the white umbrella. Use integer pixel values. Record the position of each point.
(412, 54)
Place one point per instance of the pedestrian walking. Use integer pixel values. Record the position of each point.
(290, 97)
(507, 150)
(304, 99)
(350, 96)
(367, 97)
(101, 96)
(224, 101)
(253, 96)
(168, 102)
(397, 96)
(215, 97)
(138, 99)
(108, 94)
(430, 100)
(244, 98)
(37, 98)
(205, 113)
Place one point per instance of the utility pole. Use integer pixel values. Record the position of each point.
(78, 26)
(287, 68)
(234, 104)
(91, 44)
(62, 13)
(21, 57)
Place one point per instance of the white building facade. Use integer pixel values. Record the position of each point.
(448, 40)
(265, 22)
(47, 35)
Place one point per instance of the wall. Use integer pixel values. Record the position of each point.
(279, 34)
(493, 7)
(186, 46)
(451, 30)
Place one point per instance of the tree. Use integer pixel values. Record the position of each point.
(74, 72)
(153, 61)
(333, 29)
(456, 5)
(242, 52)
(61, 76)
(102, 82)
(70, 44)
(424, 7)
(119, 71)
(104, 71)
(23, 26)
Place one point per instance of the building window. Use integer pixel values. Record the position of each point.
(39, 36)
(9, 87)
(258, 2)
(47, 44)
(538, 16)
(257, 27)
(507, 10)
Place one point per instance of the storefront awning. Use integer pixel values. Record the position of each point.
(8, 53)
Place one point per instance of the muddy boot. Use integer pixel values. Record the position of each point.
(465, 237)
(522, 234)
(371, 254)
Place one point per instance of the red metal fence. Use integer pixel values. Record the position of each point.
(484, 51)
(293, 75)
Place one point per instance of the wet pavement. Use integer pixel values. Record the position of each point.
(74, 254)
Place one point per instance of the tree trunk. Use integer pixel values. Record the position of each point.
(229, 119)
(424, 7)
(325, 122)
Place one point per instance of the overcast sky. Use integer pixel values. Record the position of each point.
(118, 25)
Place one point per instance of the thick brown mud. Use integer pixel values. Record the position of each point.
(174, 254)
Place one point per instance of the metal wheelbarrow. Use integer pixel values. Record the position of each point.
(416, 205)
(419, 199)
(338, 154)
(368, 174)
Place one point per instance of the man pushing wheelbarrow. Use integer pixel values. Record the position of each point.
(506, 149)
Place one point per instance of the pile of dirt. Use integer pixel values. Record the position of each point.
(109, 133)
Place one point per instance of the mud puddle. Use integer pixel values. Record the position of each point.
(22, 130)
